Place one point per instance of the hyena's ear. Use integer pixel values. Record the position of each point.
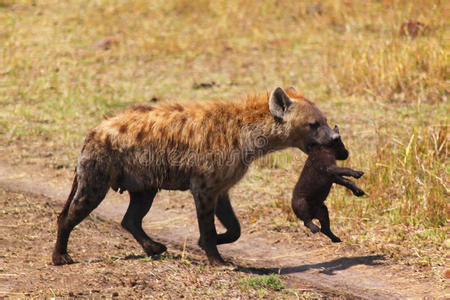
(279, 103)
(291, 89)
(336, 129)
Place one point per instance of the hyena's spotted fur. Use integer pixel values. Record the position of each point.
(204, 146)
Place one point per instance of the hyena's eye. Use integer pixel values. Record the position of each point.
(314, 125)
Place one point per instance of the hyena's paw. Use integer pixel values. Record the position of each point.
(153, 248)
(61, 259)
(217, 261)
(335, 239)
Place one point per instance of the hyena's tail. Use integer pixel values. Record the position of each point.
(71, 195)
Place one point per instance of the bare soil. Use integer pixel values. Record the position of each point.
(109, 262)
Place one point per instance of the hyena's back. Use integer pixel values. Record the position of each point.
(163, 146)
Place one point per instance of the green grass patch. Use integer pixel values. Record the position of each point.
(271, 282)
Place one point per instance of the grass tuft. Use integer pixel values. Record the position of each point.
(271, 282)
(413, 177)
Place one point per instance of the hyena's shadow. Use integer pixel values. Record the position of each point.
(328, 267)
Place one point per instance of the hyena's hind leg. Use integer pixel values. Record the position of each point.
(225, 214)
(87, 193)
(140, 203)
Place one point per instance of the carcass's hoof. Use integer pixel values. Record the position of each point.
(359, 193)
(358, 174)
(313, 227)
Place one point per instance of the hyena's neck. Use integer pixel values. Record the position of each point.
(263, 137)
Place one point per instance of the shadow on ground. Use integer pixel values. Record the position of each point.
(328, 267)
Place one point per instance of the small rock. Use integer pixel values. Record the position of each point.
(105, 44)
(412, 28)
(315, 8)
(204, 85)
(115, 294)
(71, 294)
(447, 243)
(447, 273)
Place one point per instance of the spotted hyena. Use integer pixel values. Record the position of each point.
(203, 146)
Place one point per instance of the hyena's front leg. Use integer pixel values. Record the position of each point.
(205, 204)
(226, 216)
(140, 203)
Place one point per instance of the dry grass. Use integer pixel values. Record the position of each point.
(367, 55)
(414, 174)
(63, 64)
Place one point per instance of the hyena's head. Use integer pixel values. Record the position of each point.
(306, 124)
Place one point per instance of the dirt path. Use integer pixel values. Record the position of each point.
(110, 264)
(174, 222)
